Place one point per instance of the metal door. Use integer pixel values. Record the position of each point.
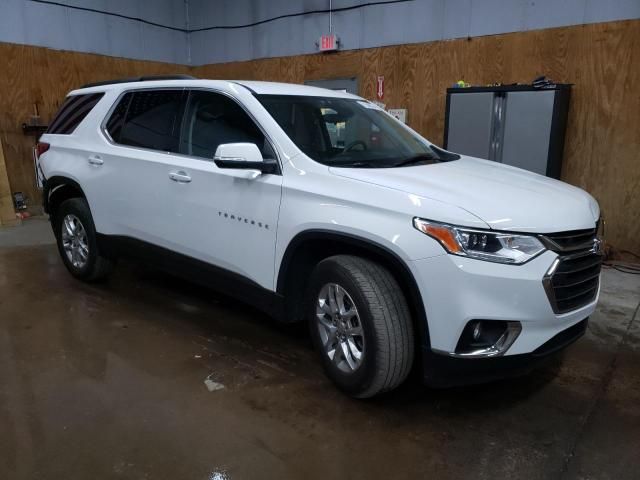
(349, 85)
(527, 130)
(470, 124)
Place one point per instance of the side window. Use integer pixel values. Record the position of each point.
(304, 124)
(72, 112)
(116, 120)
(212, 119)
(152, 120)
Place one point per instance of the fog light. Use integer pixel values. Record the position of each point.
(487, 338)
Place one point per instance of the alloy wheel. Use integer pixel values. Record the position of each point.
(74, 241)
(340, 327)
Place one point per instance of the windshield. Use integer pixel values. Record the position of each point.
(342, 132)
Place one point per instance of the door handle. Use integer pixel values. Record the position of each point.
(95, 160)
(180, 177)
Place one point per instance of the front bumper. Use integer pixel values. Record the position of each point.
(456, 290)
(441, 370)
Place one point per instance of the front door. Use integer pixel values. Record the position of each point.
(226, 217)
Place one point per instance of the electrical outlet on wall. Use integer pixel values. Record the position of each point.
(399, 113)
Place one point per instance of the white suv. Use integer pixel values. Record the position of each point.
(317, 205)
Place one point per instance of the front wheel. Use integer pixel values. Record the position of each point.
(360, 324)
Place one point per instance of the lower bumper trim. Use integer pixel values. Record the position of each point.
(441, 370)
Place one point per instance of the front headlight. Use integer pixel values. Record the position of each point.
(482, 244)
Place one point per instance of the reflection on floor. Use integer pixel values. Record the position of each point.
(149, 377)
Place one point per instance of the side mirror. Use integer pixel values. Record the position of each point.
(243, 156)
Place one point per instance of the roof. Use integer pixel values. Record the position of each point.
(138, 79)
(260, 88)
(277, 88)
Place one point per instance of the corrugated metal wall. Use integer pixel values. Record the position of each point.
(48, 25)
(391, 24)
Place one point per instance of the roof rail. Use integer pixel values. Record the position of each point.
(146, 78)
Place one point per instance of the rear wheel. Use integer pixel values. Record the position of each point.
(360, 324)
(76, 236)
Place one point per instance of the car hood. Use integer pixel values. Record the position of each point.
(504, 197)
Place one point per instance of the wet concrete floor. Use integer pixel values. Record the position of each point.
(110, 381)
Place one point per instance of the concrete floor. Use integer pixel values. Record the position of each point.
(113, 381)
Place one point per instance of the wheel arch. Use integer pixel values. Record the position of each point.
(308, 248)
(57, 189)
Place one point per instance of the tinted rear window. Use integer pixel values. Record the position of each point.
(73, 111)
(116, 120)
(151, 120)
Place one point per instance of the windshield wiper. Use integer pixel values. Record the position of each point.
(420, 158)
(444, 155)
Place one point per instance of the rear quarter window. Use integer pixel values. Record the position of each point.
(72, 112)
(116, 120)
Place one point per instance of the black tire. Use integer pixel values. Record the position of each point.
(96, 267)
(384, 318)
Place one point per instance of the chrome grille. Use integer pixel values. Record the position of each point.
(573, 283)
(570, 241)
(573, 279)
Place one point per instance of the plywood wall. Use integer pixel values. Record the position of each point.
(7, 215)
(602, 60)
(39, 75)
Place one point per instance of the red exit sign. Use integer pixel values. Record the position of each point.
(328, 43)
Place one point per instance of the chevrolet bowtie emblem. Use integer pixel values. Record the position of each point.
(597, 245)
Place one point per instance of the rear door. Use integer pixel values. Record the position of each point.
(131, 175)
